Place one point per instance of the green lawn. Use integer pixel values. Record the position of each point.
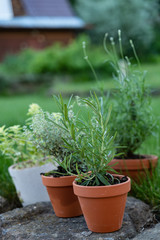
(14, 109)
(152, 80)
(153, 74)
(152, 144)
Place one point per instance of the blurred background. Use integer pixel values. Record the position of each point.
(41, 49)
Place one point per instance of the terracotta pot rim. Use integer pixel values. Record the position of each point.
(146, 157)
(57, 181)
(102, 191)
(62, 177)
(134, 164)
(96, 187)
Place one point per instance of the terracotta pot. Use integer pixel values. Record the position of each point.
(60, 191)
(103, 206)
(135, 168)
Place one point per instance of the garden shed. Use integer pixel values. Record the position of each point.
(36, 24)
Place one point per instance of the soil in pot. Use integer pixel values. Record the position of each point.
(60, 190)
(103, 206)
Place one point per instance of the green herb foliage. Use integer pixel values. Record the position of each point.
(91, 142)
(46, 132)
(132, 114)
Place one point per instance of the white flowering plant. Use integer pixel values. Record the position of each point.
(34, 108)
(47, 131)
(46, 135)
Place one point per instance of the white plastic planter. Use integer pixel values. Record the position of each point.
(28, 183)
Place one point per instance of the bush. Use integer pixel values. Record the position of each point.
(3, 83)
(18, 63)
(135, 18)
(56, 59)
(34, 68)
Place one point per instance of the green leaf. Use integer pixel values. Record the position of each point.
(97, 181)
(66, 112)
(102, 109)
(73, 132)
(70, 99)
(108, 116)
(103, 179)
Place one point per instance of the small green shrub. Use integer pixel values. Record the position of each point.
(16, 145)
(4, 83)
(18, 63)
(48, 132)
(46, 136)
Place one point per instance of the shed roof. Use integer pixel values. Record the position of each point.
(43, 22)
(51, 14)
(49, 8)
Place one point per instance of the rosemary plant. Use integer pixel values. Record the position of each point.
(91, 142)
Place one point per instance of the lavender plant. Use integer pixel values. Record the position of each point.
(131, 117)
(132, 114)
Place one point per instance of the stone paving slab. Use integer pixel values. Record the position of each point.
(38, 222)
(149, 234)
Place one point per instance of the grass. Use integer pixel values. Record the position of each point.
(71, 87)
(148, 189)
(152, 80)
(153, 73)
(14, 108)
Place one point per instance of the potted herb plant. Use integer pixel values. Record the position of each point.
(49, 131)
(131, 114)
(102, 196)
(27, 163)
